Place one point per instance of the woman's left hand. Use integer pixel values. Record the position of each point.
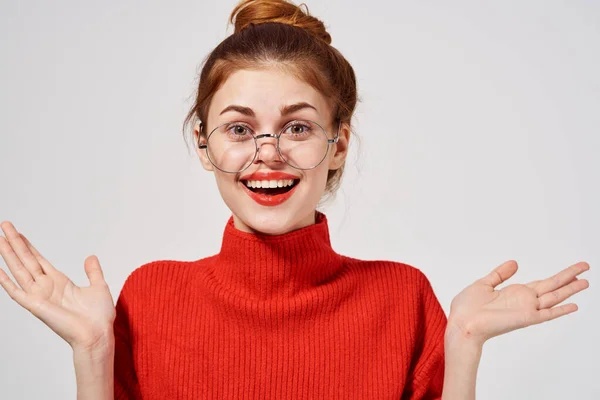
(480, 312)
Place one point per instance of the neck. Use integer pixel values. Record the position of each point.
(264, 266)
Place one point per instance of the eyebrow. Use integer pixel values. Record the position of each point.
(285, 110)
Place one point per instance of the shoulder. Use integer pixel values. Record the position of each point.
(403, 284)
(400, 273)
(161, 275)
(401, 292)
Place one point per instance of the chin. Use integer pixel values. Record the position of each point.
(271, 220)
(282, 217)
(269, 223)
(276, 220)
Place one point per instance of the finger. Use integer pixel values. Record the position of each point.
(548, 314)
(49, 314)
(500, 274)
(21, 250)
(45, 264)
(21, 274)
(15, 292)
(559, 295)
(94, 271)
(533, 284)
(560, 279)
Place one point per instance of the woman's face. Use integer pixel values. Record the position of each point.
(256, 101)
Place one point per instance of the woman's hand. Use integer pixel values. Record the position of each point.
(82, 316)
(480, 312)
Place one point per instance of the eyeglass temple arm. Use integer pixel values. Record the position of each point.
(200, 127)
(337, 136)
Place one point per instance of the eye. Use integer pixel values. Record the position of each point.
(297, 128)
(238, 130)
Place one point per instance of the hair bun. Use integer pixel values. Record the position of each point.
(260, 11)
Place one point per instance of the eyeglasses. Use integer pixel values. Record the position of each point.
(233, 147)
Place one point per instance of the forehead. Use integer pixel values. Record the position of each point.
(266, 90)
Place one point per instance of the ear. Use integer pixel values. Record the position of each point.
(202, 152)
(340, 149)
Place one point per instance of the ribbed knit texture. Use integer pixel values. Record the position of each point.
(278, 317)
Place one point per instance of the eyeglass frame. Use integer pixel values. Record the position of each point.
(273, 135)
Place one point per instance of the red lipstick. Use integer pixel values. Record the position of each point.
(267, 176)
(266, 199)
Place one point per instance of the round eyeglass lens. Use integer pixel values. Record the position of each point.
(303, 144)
(231, 148)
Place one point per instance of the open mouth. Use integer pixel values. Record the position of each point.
(271, 187)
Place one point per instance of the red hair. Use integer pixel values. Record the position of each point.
(277, 32)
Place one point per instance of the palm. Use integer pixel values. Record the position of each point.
(80, 310)
(82, 316)
(482, 312)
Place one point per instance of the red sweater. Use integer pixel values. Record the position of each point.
(278, 317)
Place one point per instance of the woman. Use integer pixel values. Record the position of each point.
(277, 313)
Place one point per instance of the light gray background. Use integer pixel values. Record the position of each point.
(479, 124)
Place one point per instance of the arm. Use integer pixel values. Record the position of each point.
(82, 316)
(106, 370)
(426, 375)
(480, 312)
(461, 363)
(126, 384)
(94, 370)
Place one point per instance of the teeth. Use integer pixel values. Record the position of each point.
(270, 184)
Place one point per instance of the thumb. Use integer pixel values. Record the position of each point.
(93, 270)
(500, 274)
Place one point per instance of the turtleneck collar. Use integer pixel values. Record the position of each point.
(264, 266)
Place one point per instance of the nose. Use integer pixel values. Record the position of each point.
(267, 148)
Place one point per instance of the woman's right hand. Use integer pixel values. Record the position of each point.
(82, 316)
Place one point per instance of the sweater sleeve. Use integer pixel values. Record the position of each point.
(426, 376)
(126, 383)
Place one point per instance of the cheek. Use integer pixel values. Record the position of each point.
(316, 179)
(225, 182)
(330, 158)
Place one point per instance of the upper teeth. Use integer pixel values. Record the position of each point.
(270, 184)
